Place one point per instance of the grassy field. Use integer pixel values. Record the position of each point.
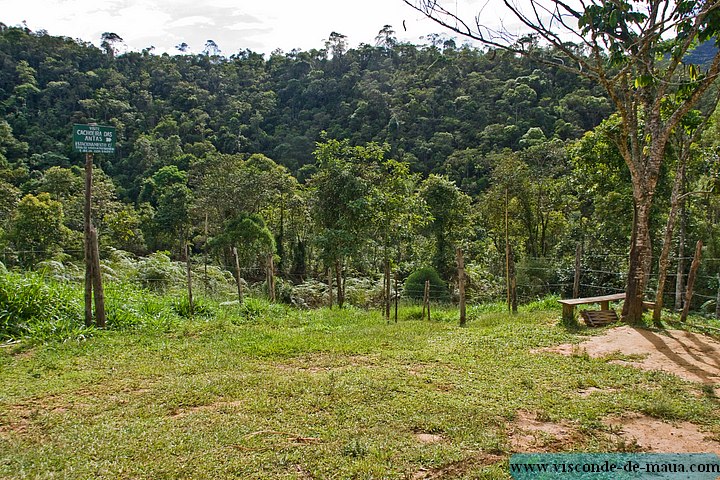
(281, 393)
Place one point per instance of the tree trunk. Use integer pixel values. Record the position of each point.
(339, 284)
(681, 262)
(191, 307)
(640, 258)
(664, 261)
(461, 284)
(387, 288)
(691, 280)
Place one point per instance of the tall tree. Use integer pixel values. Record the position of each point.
(342, 188)
(636, 52)
(449, 209)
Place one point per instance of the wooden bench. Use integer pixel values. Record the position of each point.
(596, 318)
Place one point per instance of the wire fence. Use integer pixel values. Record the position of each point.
(601, 274)
(537, 277)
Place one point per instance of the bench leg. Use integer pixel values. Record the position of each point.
(605, 305)
(568, 314)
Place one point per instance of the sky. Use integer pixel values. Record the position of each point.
(234, 25)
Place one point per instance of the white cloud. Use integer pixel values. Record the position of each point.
(233, 24)
(191, 21)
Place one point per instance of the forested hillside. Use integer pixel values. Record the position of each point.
(382, 157)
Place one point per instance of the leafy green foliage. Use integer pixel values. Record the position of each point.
(37, 229)
(249, 233)
(450, 223)
(415, 284)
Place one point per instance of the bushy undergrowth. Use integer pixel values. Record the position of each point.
(158, 272)
(40, 308)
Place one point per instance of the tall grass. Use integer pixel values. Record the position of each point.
(32, 306)
(41, 309)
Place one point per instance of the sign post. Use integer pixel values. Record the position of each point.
(91, 139)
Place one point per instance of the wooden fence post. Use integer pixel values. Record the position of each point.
(461, 284)
(87, 219)
(424, 302)
(427, 282)
(98, 292)
(426, 292)
(271, 277)
(205, 255)
(717, 299)
(513, 282)
(578, 263)
(507, 248)
(191, 307)
(387, 284)
(691, 280)
(237, 272)
(397, 295)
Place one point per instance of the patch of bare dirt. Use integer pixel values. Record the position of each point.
(17, 420)
(428, 438)
(18, 426)
(653, 435)
(691, 356)
(530, 434)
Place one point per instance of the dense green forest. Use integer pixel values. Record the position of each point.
(338, 162)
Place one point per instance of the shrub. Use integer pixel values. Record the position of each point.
(364, 292)
(158, 272)
(415, 284)
(58, 270)
(216, 280)
(309, 294)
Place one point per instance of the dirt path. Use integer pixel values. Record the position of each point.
(691, 356)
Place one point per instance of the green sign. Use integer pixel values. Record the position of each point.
(93, 139)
